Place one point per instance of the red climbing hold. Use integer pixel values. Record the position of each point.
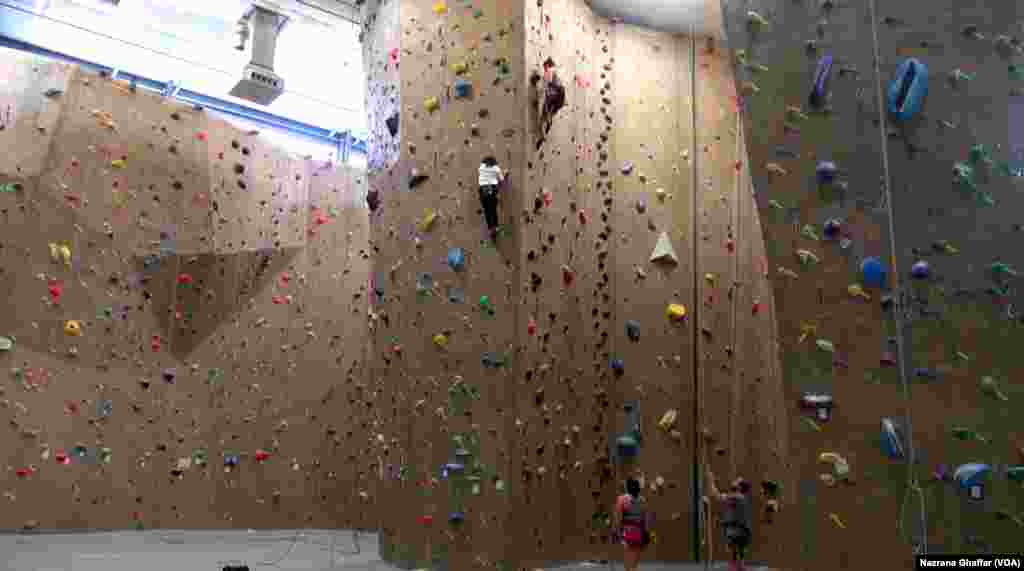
(262, 455)
(730, 245)
(184, 279)
(23, 472)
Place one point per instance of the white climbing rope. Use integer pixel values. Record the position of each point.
(912, 483)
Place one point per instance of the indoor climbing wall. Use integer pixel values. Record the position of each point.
(899, 229)
(444, 313)
(584, 316)
(740, 391)
(183, 329)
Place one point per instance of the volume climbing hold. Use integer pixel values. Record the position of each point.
(822, 75)
(908, 89)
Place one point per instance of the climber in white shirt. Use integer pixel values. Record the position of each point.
(490, 177)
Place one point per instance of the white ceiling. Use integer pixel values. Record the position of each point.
(666, 15)
(191, 42)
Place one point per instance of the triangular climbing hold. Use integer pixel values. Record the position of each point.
(663, 250)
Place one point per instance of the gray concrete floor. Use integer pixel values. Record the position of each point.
(175, 550)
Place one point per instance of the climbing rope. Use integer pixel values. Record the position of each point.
(912, 483)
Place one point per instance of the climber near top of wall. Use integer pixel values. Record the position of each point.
(553, 100)
(631, 520)
(490, 176)
(735, 517)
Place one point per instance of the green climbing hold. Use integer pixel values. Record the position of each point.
(6, 343)
(988, 386)
(1015, 473)
(825, 345)
(961, 433)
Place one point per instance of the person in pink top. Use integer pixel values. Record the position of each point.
(631, 521)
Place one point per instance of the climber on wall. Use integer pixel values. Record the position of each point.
(553, 98)
(735, 517)
(630, 519)
(490, 176)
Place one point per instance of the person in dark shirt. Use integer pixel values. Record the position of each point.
(735, 517)
(553, 97)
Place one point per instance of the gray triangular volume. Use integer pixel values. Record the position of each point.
(663, 250)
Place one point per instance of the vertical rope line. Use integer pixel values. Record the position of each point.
(737, 220)
(912, 484)
(694, 331)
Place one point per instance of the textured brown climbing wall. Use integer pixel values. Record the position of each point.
(219, 286)
(445, 338)
(958, 324)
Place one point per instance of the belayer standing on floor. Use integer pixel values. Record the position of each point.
(490, 177)
(735, 518)
(631, 521)
(553, 98)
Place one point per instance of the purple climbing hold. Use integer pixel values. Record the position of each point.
(169, 375)
(832, 228)
(920, 270)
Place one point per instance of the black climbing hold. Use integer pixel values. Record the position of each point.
(392, 124)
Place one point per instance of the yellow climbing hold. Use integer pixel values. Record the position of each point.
(118, 163)
(429, 216)
(835, 519)
(807, 329)
(72, 328)
(61, 253)
(441, 340)
(675, 311)
(668, 420)
(856, 290)
(431, 104)
(795, 112)
(460, 68)
(756, 20)
(839, 464)
(440, 8)
(710, 278)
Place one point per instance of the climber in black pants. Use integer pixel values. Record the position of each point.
(490, 177)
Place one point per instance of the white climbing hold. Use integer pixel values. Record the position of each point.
(663, 250)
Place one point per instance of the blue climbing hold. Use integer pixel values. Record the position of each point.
(908, 89)
(971, 475)
(826, 172)
(872, 272)
(463, 89)
(920, 270)
(618, 366)
(456, 259)
(892, 442)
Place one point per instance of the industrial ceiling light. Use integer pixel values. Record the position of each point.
(259, 83)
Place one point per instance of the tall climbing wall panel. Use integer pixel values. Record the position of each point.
(184, 327)
(574, 329)
(931, 200)
(445, 311)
